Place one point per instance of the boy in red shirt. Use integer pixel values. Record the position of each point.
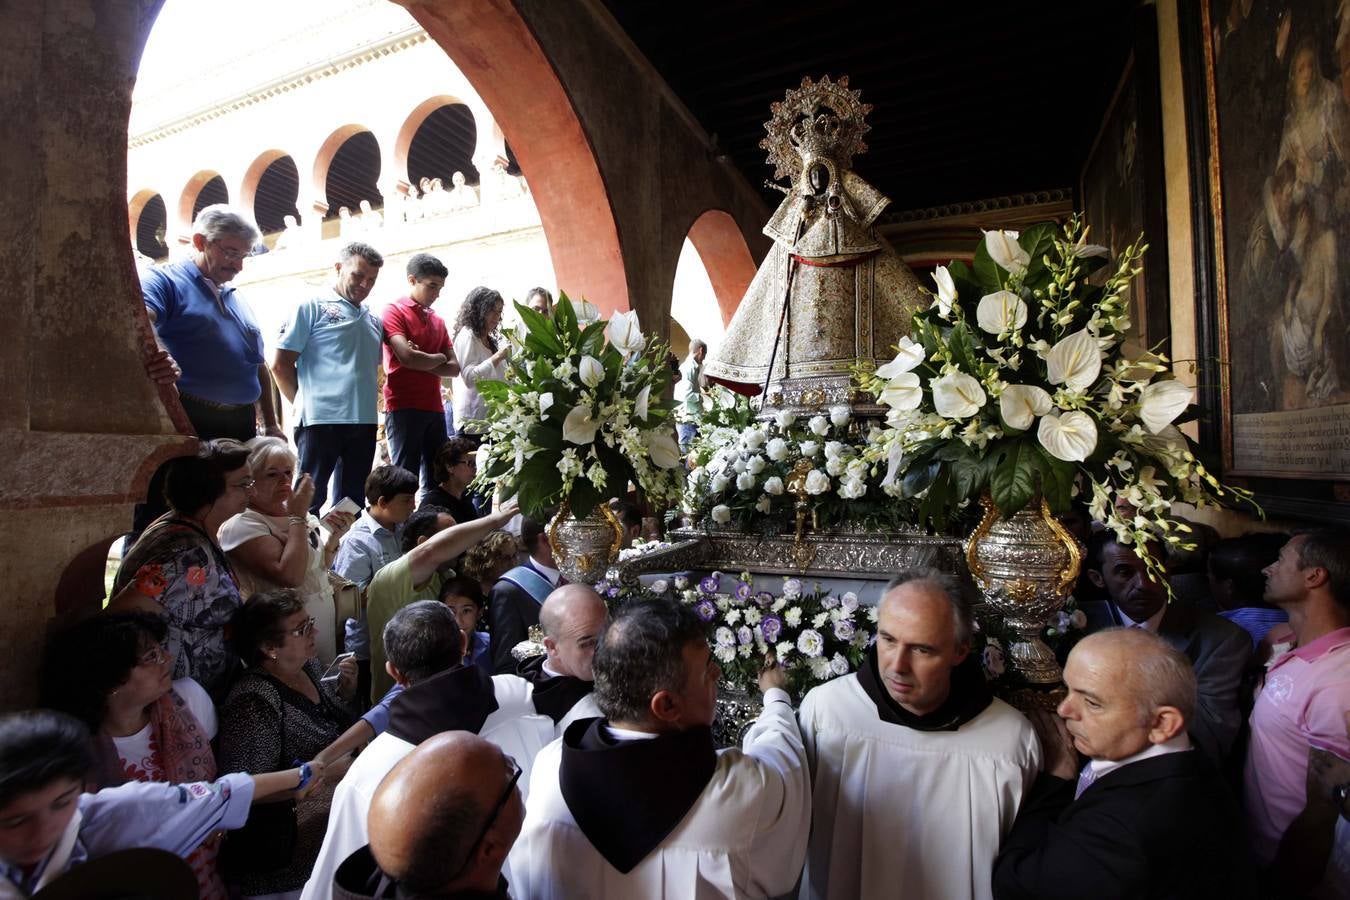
(417, 354)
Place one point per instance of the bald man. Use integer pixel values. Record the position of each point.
(572, 618)
(1148, 817)
(441, 825)
(425, 650)
(917, 768)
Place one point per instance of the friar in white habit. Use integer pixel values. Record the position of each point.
(425, 649)
(918, 770)
(572, 618)
(639, 803)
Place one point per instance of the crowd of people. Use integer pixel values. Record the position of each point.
(312, 699)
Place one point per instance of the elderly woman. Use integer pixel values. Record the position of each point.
(454, 467)
(178, 571)
(277, 543)
(497, 553)
(283, 709)
(112, 673)
(476, 347)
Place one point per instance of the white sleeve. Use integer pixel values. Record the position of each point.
(198, 703)
(473, 357)
(239, 529)
(345, 835)
(778, 848)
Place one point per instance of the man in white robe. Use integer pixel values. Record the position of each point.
(425, 650)
(917, 769)
(572, 618)
(640, 803)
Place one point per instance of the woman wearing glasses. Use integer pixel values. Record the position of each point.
(276, 542)
(282, 709)
(177, 570)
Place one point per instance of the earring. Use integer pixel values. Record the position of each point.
(274, 656)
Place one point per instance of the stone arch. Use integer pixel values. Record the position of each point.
(536, 114)
(187, 200)
(408, 130)
(260, 175)
(328, 154)
(726, 256)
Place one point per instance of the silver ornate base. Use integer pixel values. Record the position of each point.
(737, 710)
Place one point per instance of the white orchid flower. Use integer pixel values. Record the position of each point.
(664, 449)
(1020, 404)
(592, 371)
(1161, 402)
(580, 426)
(624, 334)
(1001, 312)
(903, 392)
(1006, 252)
(908, 356)
(1071, 437)
(957, 395)
(1075, 362)
(946, 293)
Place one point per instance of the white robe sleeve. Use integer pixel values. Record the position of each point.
(779, 846)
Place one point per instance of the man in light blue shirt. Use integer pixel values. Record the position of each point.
(326, 364)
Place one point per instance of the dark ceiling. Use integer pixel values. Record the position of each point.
(970, 100)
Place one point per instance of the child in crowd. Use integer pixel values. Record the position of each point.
(466, 601)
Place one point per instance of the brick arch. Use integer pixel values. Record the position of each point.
(495, 49)
(726, 256)
(248, 188)
(189, 196)
(136, 206)
(324, 159)
(408, 130)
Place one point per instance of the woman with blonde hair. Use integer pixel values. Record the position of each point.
(493, 556)
(277, 543)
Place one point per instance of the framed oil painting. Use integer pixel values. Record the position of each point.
(1277, 91)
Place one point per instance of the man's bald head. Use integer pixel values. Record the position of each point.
(431, 807)
(572, 618)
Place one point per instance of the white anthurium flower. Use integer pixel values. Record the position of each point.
(1006, 252)
(1075, 362)
(1020, 404)
(1161, 402)
(773, 485)
(819, 425)
(903, 392)
(624, 334)
(839, 415)
(907, 357)
(893, 460)
(664, 449)
(957, 395)
(1001, 312)
(721, 514)
(580, 426)
(592, 371)
(1083, 250)
(640, 404)
(817, 482)
(1071, 437)
(946, 293)
(545, 401)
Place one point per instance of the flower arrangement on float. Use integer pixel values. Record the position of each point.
(1018, 381)
(581, 413)
(750, 475)
(815, 635)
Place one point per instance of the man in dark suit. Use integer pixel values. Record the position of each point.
(1217, 649)
(1148, 818)
(514, 601)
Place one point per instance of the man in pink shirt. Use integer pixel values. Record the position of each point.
(417, 354)
(1307, 690)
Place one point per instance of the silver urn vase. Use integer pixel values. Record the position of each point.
(583, 549)
(1026, 566)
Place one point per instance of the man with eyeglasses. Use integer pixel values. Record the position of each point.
(441, 825)
(203, 326)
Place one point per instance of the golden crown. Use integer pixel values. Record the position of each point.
(821, 118)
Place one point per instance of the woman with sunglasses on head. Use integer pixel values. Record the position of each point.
(276, 542)
(113, 674)
(177, 570)
(281, 709)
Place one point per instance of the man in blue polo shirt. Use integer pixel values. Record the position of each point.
(210, 332)
(326, 364)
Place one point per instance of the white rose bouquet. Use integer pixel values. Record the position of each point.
(1017, 381)
(580, 415)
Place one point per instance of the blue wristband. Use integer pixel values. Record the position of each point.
(306, 773)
